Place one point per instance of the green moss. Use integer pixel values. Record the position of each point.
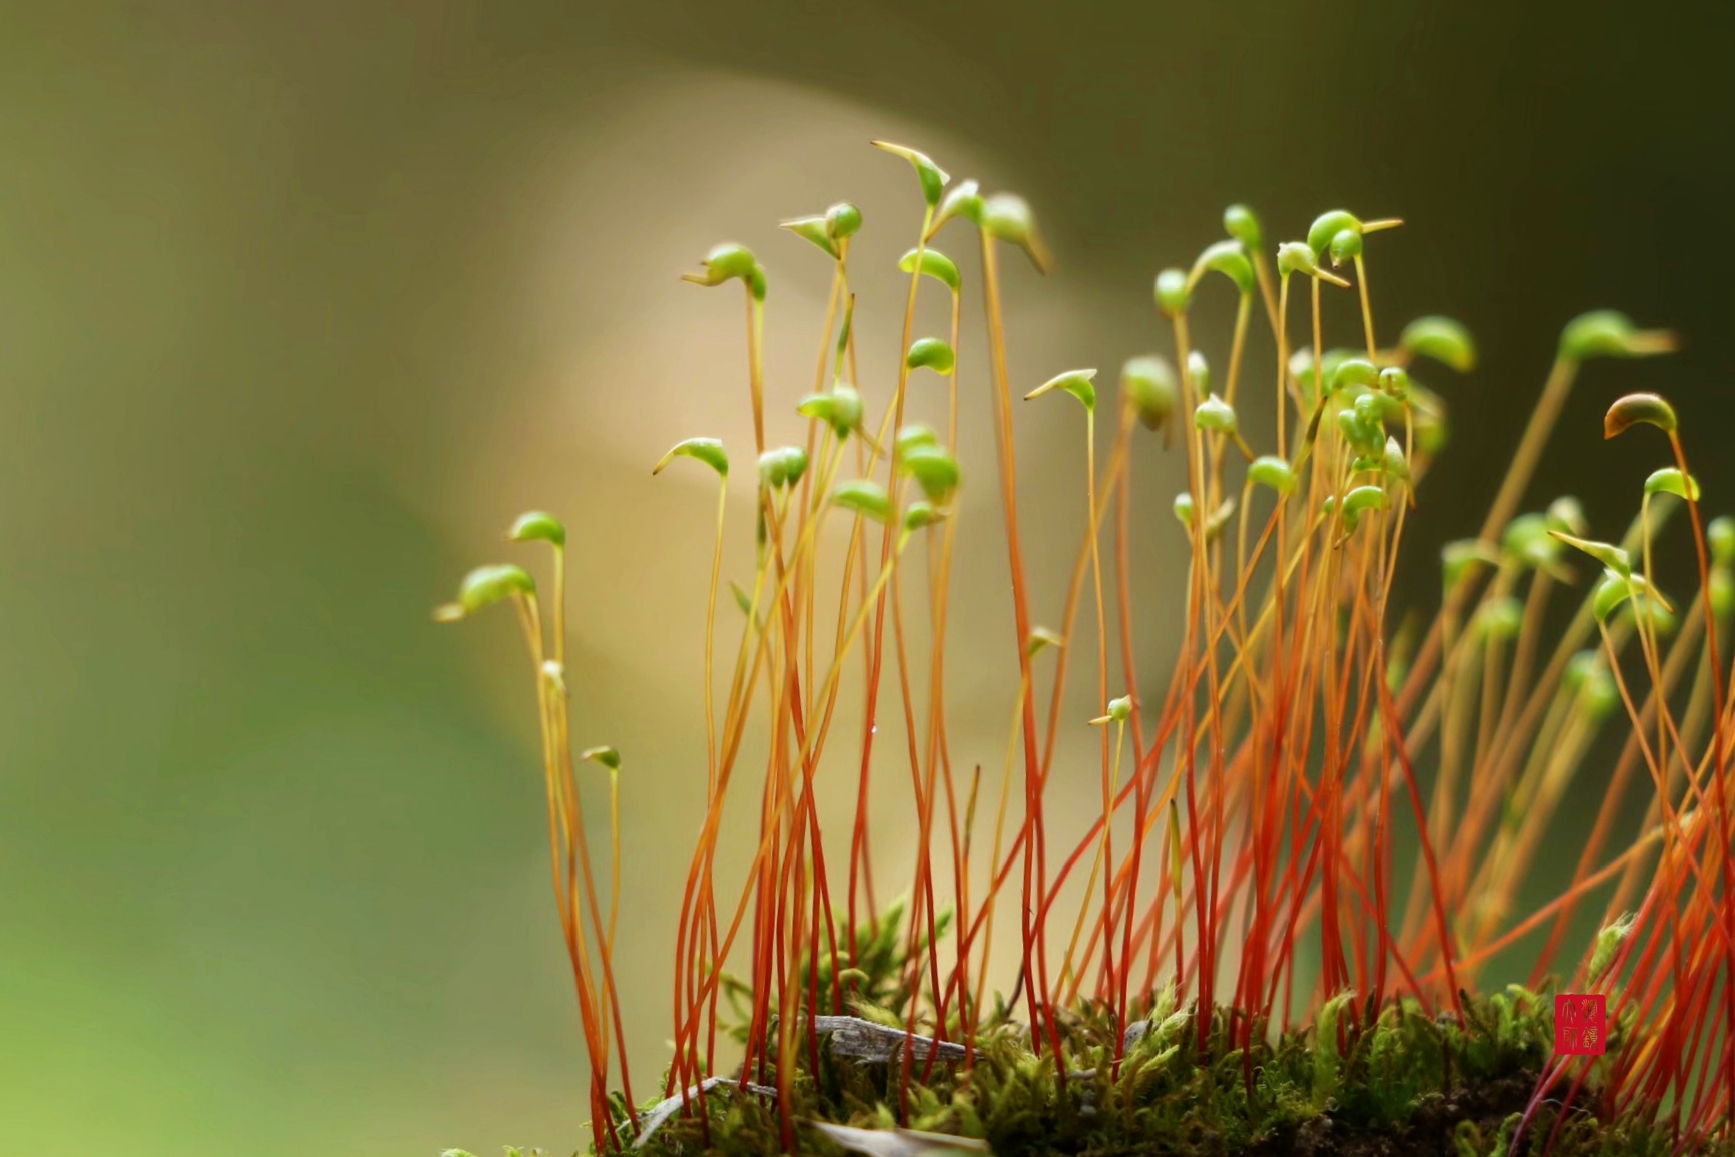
(1409, 1083)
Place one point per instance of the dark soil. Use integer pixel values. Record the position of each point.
(1430, 1132)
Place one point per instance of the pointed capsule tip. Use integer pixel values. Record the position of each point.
(1633, 409)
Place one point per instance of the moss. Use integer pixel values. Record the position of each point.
(1409, 1083)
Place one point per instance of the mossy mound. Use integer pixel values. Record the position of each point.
(1406, 1084)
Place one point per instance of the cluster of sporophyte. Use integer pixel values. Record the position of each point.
(1248, 967)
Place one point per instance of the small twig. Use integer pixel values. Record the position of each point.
(863, 1040)
(658, 1116)
(898, 1142)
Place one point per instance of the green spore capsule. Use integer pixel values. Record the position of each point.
(964, 200)
(707, 450)
(1394, 462)
(1456, 559)
(1722, 591)
(842, 220)
(1172, 294)
(1040, 638)
(1215, 416)
(1353, 371)
(1078, 383)
(1596, 692)
(846, 409)
(1359, 501)
(930, 353)
(1346, 246)
(485, 586)
(813, 229)
(1327, 226)
(934, 470)
(1442, 339)
(603, 754)
(914, 435)
(1567, 514)
(1298, 257)
(1272, 471)
(1638, 409)
(933, 264)
(728, 262)
(932, 177)
(1242, 223)
(1151, 387)
(538, 526)
(865, 497)
(1007, 217)
(825, 408)
(1605, 333)
(1527, 539)
(1612, 557)
(783, 466)
(1616, 589)
(1720, 536)
(1199, 370)
(921, 515)
(1228, 258)
(1301, 368)
(1670, 480)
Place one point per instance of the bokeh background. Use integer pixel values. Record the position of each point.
(300, 303)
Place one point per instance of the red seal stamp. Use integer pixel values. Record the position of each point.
(1580, 1024)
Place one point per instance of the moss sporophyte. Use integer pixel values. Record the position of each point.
(1311, 831)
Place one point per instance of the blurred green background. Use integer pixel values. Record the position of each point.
(300, 303)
